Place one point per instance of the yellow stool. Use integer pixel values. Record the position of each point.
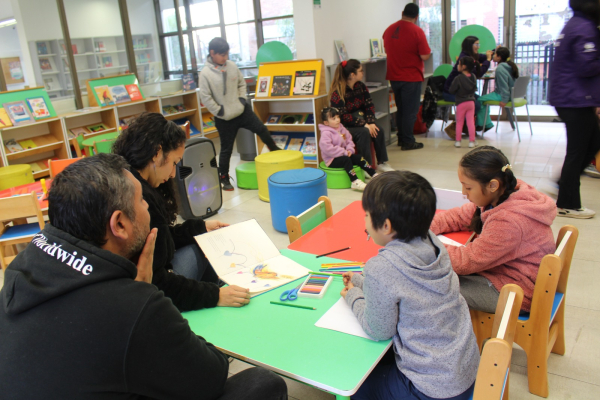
(15, 175)
(269, 163)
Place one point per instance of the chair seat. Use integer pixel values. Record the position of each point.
(518, 103)
(558, 298)
(20, 231)
(444, 103)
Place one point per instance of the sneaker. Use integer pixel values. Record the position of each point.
(225, 182)
(412, 146)
(358, 185)
(582, 213)
(591, 170)
(384, 167)
(457, 143)
(549, 187)
(451, 130)
(472, 144)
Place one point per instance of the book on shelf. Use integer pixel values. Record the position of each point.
(295, 144)
(208, 121)
(134, 92)
(310, 119)
(120, 94)
(97, 128)
(74, 132)
(309, 147)
(104, 94)
(293, 119)
(12, 146)
(280, 140)
(124, 122)
(107, 61)
(173, 109)
(188, 82)
(45, 65)
(35, 167)
(42, 48)
(4, 120)
(18, 113)
(274, 119)
(341, 50)
(281, 85)
(38, 107)
(74, 48)
(262, 86)
(304, 85)
(100, 47)
(27, 144)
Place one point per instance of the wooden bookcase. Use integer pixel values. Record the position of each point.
(107, 117)
(190, 101)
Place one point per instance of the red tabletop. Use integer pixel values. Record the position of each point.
(347, 229)
(28, 188)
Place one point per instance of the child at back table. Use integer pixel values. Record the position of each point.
(337, 148)
(464, 87)
(410, 293)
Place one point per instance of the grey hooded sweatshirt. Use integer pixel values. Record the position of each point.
(410, 292)
(464, 87)
(222, 89)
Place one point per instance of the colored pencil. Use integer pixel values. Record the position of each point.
(340, 268)
(292, 305)
(348, 263)
(332, 252)
(323, 273)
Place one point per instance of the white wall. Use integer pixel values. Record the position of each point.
(9, 38)
(93, 18)
(6, 11)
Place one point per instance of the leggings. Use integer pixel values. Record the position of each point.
(464, 110)
(348, 164)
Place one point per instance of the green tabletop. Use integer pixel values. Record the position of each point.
(89, 142)
(286, 340)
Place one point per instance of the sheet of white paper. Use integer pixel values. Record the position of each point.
(448, 241)
(341, 318)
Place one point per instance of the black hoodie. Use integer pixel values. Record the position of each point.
(75, 325)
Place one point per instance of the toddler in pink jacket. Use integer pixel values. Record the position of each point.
(337, 148)
(512, 221)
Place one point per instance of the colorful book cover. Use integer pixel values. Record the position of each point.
(38, 107)
(274, 119)
(96, 128)
(281, 85)
(107, 61)
(104, 96)
(188, 82)
(309, 147)
(305, 83)
(120, 94)
(292, 119)
(18, 113)
(27, 144)
(341, 50)
(74, 132)
(208, 121)
(295, 144)
(45, 64)
(12, 146)
(280, 140)
(4, 120)
(134, 92)
(262, 86)
(42, 48)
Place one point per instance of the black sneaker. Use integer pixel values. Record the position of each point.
(225, 182)
(412, 146)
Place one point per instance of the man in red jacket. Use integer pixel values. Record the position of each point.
(406, 47)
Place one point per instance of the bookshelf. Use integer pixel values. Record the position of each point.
(190, 101)
(75, 120)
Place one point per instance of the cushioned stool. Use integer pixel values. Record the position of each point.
(293, 192)
(246, 176)
(15, 175)
(337, 178)
(269, 163)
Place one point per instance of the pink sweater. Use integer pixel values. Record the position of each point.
(516, 235)
(332, 145)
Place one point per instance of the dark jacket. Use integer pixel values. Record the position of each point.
(75, 325)
(575, 73)
(479, 70)
(186, 294)
(464, 88)
(357, 99)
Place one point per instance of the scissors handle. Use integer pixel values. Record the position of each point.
(293, 295)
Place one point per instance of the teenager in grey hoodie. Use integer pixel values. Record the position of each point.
(410, 293)
(223, 92)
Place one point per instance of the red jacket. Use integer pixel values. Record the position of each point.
(516, 236)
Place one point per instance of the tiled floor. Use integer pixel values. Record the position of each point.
(537, 157)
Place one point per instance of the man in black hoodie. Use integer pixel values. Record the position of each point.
(74, 322)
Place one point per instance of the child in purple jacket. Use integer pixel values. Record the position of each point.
(337, 148)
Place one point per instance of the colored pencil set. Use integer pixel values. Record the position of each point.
(340, 268)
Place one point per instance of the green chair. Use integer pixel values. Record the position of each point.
(337, 178)
(103, 146)
(309, 219)
(246, 176)
(518, 98)
(444, 70)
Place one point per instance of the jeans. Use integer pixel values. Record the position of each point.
(348, 164)
(362, 142)
(583, 142)
(255, 384)
(408, 101)
(190, 262)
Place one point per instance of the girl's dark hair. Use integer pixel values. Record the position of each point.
(141, 141)
(483, 164)
(590, 8)
(467, 46)
(329, 112)
(341, 75)
(467, 62)
(504, 54)
(218, 45)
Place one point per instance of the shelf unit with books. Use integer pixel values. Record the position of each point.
(50, 68)
(190, 101)
(78, 122)
(208, 124)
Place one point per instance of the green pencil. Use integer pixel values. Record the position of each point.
(292, 305)
(323, 273)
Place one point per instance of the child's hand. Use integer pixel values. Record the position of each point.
(347, 278)
(349, 153)
(344, 291)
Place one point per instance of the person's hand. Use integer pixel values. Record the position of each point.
(347, 277)
(489, 55)
(344, 291)
(213, 225)
(502, 105)
(146, 258)
(349, 153)
(373, 129)
(233, 296)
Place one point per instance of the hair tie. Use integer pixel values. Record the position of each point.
(507, 166)
(344, 63)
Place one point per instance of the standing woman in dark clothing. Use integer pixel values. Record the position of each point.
(575, 93)
(153, 146)
(351, 97)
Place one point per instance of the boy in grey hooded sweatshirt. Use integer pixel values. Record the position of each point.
(223, 92)
(410, 293)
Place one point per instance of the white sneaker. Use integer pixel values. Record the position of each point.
(582, 213)
(358, 185)
(384, 168)
(472, 144)
(457, 143)
(591, 170)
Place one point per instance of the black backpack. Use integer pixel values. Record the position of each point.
(436, 83)
(429, 107)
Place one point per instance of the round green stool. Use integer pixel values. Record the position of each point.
(246, 176)
(15, 175)
(337, 178)
(274, 161)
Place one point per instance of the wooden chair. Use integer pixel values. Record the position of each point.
(492, 374)
(305, 222)
(103, 146)
(542, 330)
(17, 209)
(57, 166)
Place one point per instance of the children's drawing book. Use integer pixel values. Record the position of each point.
(4, 120)
(38, 107)
(242, 254)
(134, 92)
(295, 144)
(305, 83)
(105, 97)
(262, 86)
(281, 85)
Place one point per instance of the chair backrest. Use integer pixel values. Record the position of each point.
(519, 90)
(443, 70)
(309, 219)
(103, 146)
(57, 166)
(492, 373)
(18, 207)
(507, 313)
(565, 247)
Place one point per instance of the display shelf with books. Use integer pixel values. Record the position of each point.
(209, 129)
(49, 68)
(92, 122)
(182, 105)
(145, 57)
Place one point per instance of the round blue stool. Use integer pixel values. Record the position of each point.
(294, 191)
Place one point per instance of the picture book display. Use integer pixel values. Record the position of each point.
(173, 109)
(105, 97)
(107, 61)
(292, 118)
(12, 146)
(274, 119)
(18, 113)
(134, 92)
(304, 85)
(42, 48)
(295, 144)
(120, 94)
(242, 254)
(208, 121)
(280, 140)
(35, 167)
(38, 107)
(4, 120)
(97, 128)
(27, 144)
(310, 119)
(309, 147)
(74, 132)
(262, 86)
(341, 50)
(45, 65)
(188, 82)
(281, 85)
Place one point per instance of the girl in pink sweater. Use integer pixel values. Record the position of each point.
(337, 148)
(512, 221)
